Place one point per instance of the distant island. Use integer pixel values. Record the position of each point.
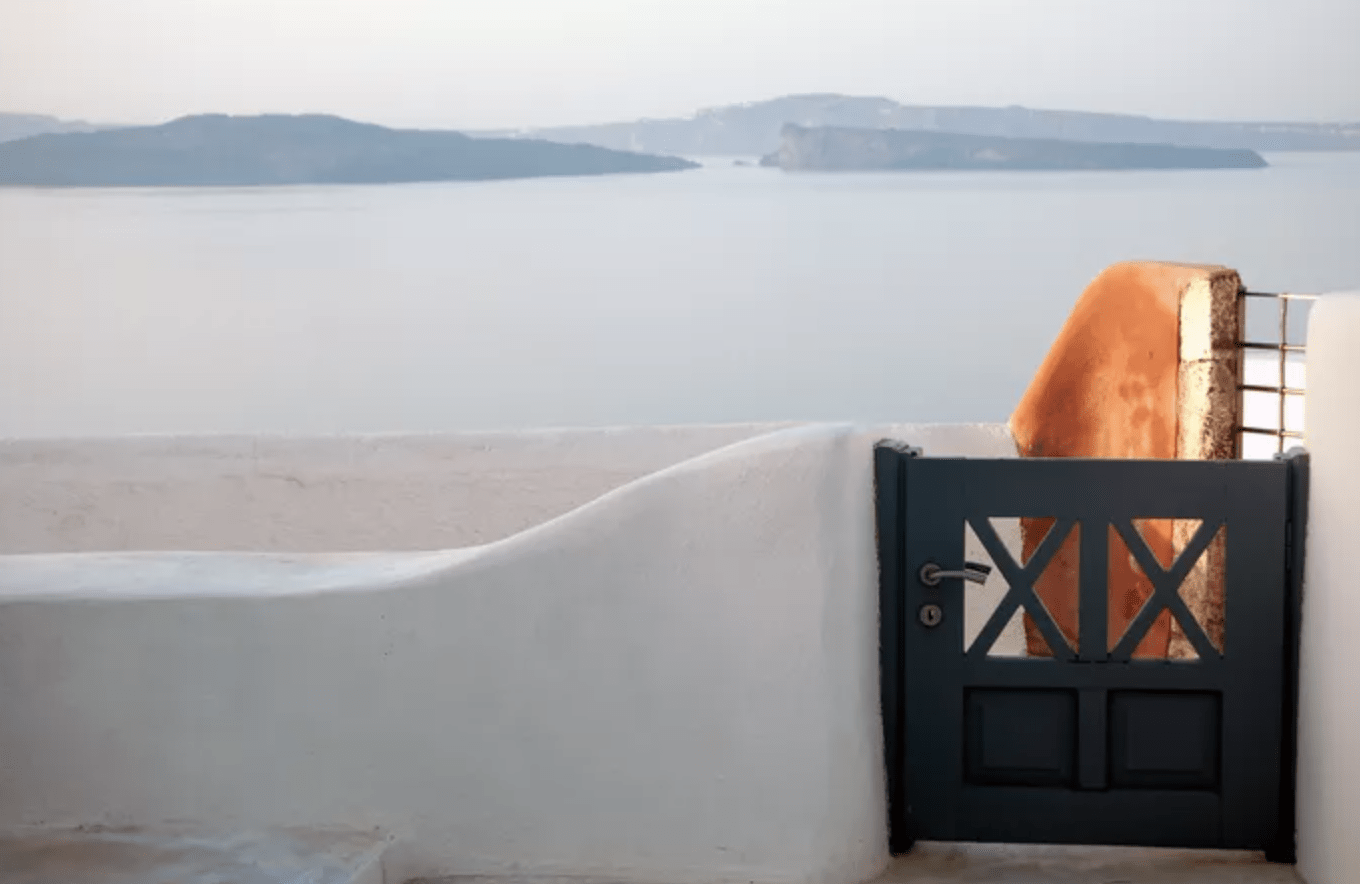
(16, 126)
(753, 129)
(219, 150)
(837, 149)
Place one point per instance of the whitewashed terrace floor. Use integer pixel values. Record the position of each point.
(331, 857)
(937, 863)
(131, 856)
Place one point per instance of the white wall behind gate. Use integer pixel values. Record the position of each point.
(1329, 715)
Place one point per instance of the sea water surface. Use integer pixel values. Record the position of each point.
(723, 294)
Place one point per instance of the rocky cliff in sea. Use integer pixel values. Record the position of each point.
(16, 126)
(753, 129)
(214, 149)
(833, 149)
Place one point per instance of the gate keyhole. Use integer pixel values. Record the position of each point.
(931, 615)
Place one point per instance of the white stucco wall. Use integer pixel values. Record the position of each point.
(677, 682)
(320, 494)
(1329, 715)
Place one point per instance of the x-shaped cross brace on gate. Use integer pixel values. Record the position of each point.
(1021, 580)
(1166, 585)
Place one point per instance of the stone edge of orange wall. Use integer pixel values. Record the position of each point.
(1207, 402)
(1208, 413)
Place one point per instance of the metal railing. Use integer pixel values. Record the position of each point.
(1282, 390)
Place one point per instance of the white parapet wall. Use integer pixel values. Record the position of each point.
(1329, 696)
(674, 682)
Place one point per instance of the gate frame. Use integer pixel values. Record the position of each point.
(890, 509)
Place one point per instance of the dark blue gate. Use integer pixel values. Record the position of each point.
(1089, 744)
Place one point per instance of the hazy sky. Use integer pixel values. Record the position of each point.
(492, 63)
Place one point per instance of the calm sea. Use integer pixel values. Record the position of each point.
(724, 294)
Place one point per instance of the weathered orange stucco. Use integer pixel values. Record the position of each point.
(1109, 388)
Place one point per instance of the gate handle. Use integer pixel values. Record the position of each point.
(932, 574)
